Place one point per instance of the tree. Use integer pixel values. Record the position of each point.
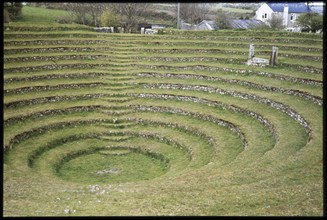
(310, 22)
(110, 18)
(223, 20)
(96, 10)
(6, 17)
(201, 12)
(86, 13)
(79, 11)
(130, 13)
(13, 10)
(193, 13)
(276, 22)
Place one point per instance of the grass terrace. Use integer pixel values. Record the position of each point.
(176, 124)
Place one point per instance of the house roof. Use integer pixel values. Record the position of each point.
(235, 24)
(292, 7)
(317, 9)
(210, 25)
(244, 24)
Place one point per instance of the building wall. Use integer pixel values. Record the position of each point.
(264, 13)
(291, 17)
(291, 24)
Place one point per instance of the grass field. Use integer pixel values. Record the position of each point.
(37, 15)
(102, 124)
(234, 10)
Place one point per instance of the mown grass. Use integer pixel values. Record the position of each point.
(163, 156)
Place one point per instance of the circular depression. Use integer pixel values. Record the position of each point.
(111, 165)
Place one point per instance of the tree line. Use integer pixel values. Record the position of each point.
(129, 15)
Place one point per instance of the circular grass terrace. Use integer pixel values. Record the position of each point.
(175, 124)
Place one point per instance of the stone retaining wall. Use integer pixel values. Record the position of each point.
(277, 105)
(238, 71)
(48, 88)
(299, 93)
(215, 120)
(233, 108)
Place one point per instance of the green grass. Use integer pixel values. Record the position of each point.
(97, 167)
(42, 15)
(142, 144)
(236, 10)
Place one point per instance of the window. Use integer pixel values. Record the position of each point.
(292, 17)
(265, 15)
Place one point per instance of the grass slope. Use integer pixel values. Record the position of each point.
(41, 15)
(176, 124)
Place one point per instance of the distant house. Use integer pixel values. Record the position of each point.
(246, 24)
(159, 26)
(152, 26)
(206, 25)
(211, 25)
(187, 26)
(289, 12)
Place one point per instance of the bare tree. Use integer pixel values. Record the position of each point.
(203, 10)
(79, 11)
(86, 13)
(276, 22)
(95, 10)
(130, 13)
(194, 13)
(223, 20)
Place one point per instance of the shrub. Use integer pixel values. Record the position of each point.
(310, 22)
(222, 20)
(64, 20)
(276, 22)
(161, 31)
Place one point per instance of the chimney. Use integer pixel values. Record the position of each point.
(285, 16)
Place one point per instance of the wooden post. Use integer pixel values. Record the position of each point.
(273, 57)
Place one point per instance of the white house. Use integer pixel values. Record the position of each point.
(287, 11)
